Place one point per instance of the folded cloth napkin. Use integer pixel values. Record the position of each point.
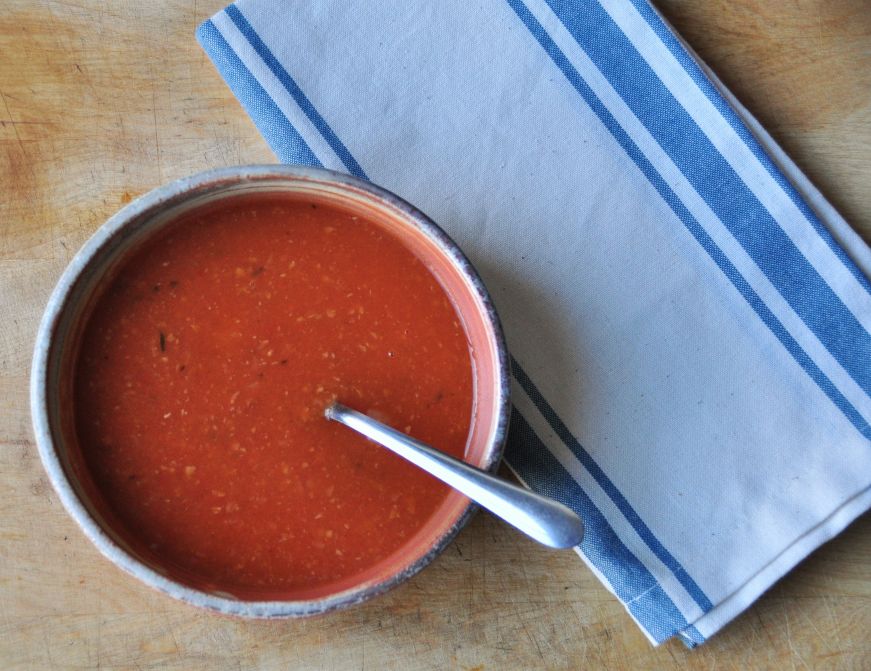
(688, 317)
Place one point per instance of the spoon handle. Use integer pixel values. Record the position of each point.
(543, 519)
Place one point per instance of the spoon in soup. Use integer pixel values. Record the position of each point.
(539, 517)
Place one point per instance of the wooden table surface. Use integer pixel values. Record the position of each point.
(102, 101)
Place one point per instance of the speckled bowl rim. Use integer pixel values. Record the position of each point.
(123, 223)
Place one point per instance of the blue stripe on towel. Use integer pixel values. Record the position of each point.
(719, 185)
(281, 136)
(678, 207)
(293, 89)
(692, 68)
(631, 581)
(623, 505)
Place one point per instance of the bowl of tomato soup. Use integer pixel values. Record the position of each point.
(184, 362)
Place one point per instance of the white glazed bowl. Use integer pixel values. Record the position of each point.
(92, 269)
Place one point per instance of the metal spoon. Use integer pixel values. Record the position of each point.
(543, 519)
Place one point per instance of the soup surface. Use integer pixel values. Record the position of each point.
(202, 377)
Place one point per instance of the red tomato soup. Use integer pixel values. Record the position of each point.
(202, 377)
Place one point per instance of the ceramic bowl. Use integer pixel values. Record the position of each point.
(92, 269)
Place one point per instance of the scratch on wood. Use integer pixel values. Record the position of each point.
(827, 601)
(15, 130)
(763, 627)
(174, 639)
(795, 653)
(17, 442)
(156, 133)
(532, 639)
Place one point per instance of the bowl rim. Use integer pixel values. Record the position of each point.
(170, 195)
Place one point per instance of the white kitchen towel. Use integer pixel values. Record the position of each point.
(688, 317)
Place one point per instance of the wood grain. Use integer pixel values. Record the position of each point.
(102, 101)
